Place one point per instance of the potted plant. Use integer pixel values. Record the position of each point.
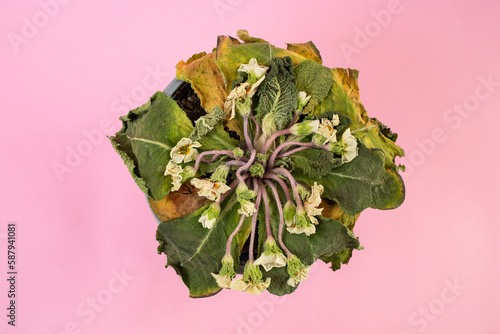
(261, 159)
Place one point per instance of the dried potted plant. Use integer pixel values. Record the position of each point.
(262, 158)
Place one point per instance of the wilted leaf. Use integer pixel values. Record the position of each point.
(145, 140)
(307, 50)
(178, 203)
(344, 98)
(351, 184)
(204, 75)
(195, 252)
(229, 56)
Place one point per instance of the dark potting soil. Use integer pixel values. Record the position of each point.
(189, 101)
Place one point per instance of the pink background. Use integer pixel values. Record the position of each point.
(76, 70)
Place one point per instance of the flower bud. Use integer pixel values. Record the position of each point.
(220, 174)
(244, 106)
(303, 98)
(289, 212)
(305, 128)
(210, 215)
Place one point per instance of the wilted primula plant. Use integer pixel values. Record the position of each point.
(271, 175)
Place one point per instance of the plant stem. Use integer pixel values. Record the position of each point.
(230, 239)
(293, 182)
(282, 220)
(246, 165)
(271, 139)
(268, 214)
(260, 191)
(285, 144)
(216, 153)
(257, 127)
(235, 162)
(245, 132)
(282, 183)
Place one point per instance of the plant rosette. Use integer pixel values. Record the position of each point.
(274, 174)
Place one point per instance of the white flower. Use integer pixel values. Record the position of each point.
(301, 223)
(254, 70)
(308, 229)
(209, 189)
(299, 276)
(224, 281)
(271, 261)
(312, 203)
(226, 274)
(350, 150)
(174, 170)
(184, 150)
(237, 92)
(247, 208)
(327, 129)
(250, 287)
(271, 257)
(297, 271)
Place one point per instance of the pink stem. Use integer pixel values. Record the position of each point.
(285, 144)
(215, 153)
(281, 183)
(293, 182)
(272, 138)
(235, 162)
(268, 213)
(230, 240)
(282, 220)
(254, 218)
(246, 166)
(257, 127)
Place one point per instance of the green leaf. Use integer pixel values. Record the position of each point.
(331, 236)
(390, 193)
(196, 252)
(217, 139)
(205, 124)
(307, 50)
(344, 98)
(277, 93)
(146, 138)
(352, 184)
(230, 55)
(337, 259)
(314, 79)
(315, 162)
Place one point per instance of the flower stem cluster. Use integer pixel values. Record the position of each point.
(254, 165)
